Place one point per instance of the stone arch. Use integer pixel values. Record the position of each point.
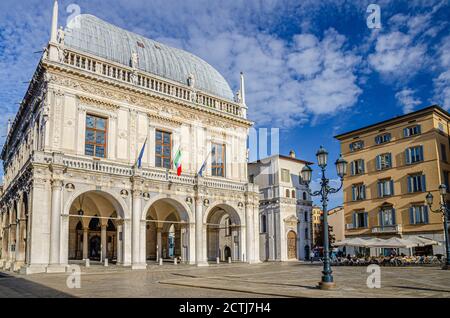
(223, 230)
(118, 202)
(167, 228)
(102, 207)
(180, 205)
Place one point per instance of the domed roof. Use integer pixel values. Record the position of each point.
(92, 35)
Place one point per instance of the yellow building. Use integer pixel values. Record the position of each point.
(315, 220)
(392, 165)
(336, 220)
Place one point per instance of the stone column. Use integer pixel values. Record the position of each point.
(142, 243)
(182, 243)
(249, 232)
(255, 226)
(199, 244)
(20, 241)
(55, 225)
(136, 227)
(85, 243)
(119, 241)
(103, 242)
(158, 243)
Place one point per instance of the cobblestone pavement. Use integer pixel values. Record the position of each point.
(229, 280)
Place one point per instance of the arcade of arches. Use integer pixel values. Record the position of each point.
(99, 225)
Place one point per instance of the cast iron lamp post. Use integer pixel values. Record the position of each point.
(341, 168)
(443, 208)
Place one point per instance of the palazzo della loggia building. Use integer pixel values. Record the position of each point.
(89, 161)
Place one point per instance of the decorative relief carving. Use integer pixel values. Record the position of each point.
(148, 103)
(291, 221)
(98, 103)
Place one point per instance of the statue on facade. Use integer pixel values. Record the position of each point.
(61, 35)
(134, 60)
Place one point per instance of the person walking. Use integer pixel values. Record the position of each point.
(311, 256)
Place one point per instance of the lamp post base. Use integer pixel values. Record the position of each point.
(327, 285)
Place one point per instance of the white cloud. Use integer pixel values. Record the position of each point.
(396, 57)
(442, 82)
(406, 99)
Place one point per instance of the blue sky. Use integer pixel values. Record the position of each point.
(313, 68)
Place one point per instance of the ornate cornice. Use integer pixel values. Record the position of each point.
(138, 97)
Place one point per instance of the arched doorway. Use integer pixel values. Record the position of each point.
(166, 234)
(223, 234)
(95, 228)
(292, 245)
(227, 252)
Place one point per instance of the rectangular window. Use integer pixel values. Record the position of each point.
(358, 192)
(443, 153)
(386, 216)
(357, 167)
(381, 139)
(418, 214)
(385, 188)
(360, 220)
(441, 127)
(285, 176)
(218, 160)
(163, 149)
(414, 154)
(384, 161)
(416, 183)
(251, 178)
(357, 145)
(411, 131)
(95, 140)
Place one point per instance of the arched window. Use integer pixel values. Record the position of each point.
(227, 227)
(293, 194)
(287, 193)
(263, 223)
(304, 196)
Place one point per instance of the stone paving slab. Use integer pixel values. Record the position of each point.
(229, 280)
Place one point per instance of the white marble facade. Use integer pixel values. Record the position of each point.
(59, 203)
(285, 208)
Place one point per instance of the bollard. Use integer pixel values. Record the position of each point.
(106, 262)
(160, 261)
(218, 260)
(175, 261)
(229, 260)
(88, 263)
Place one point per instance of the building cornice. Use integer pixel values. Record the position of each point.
(74, 78)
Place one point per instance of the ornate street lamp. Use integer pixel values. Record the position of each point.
(306, 173)
(443, 208)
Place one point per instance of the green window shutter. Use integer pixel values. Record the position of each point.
(411, 215)
(425, 214)
(409, 181)
(408, 156)
(424, 186)
(391, 184)
(405, 132)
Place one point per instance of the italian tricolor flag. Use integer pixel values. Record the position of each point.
(177, 162)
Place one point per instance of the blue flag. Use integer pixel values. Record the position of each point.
(141, 154)
(202, 168)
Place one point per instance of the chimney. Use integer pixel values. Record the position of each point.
(292, 153)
